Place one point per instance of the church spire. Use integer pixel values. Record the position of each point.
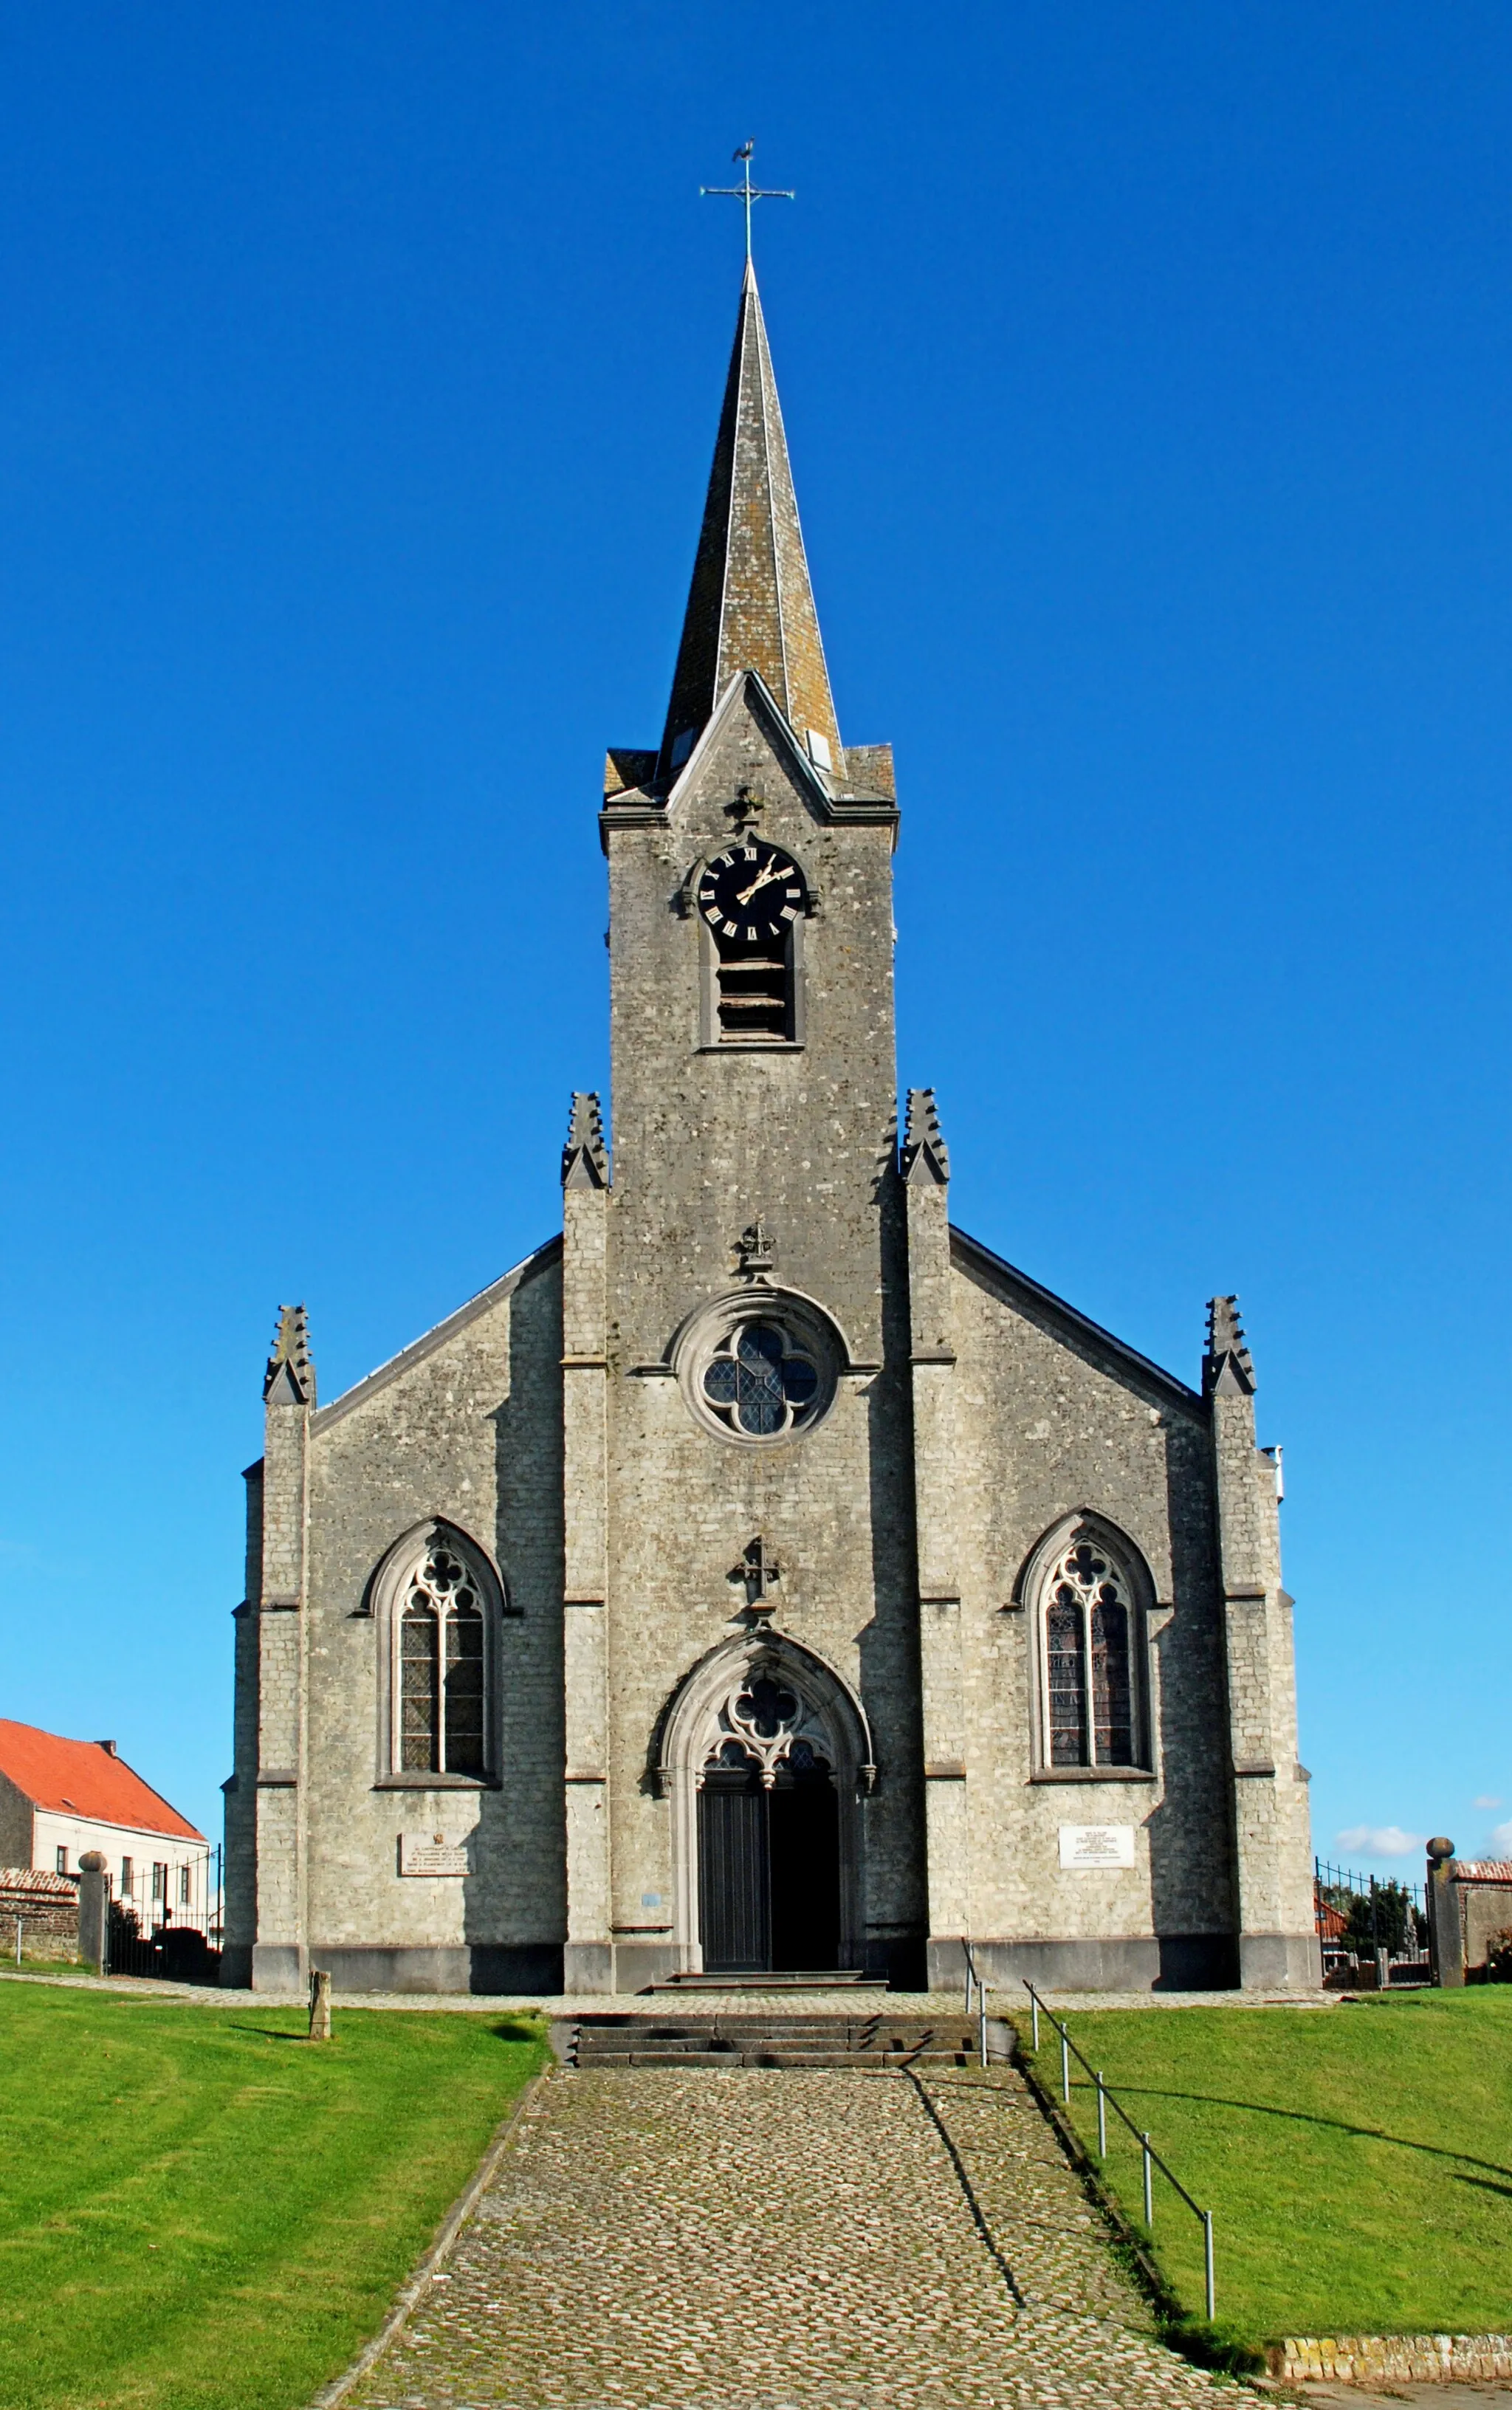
(751, 606)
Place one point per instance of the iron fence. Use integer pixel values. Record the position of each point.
(1369, 1932)
(166, 1920)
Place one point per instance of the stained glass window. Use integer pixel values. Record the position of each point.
(417, 1689)
(1066, 1655)
(1089, 1660)
(442, 1719)
(464, 1692)
(761, 1383)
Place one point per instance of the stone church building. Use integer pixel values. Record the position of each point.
(763, 1574)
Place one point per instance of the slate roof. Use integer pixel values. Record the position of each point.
(85, 1778)
(751, 606)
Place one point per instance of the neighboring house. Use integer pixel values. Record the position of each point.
(60, 1798)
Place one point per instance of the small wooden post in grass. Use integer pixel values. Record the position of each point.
(320, 2029)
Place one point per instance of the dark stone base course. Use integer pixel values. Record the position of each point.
(530, 1967)
(1171, 1962)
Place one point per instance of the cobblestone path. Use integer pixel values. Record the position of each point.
(767, 2240)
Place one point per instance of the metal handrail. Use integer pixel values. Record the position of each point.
(975, 1979)
(1151, 2157)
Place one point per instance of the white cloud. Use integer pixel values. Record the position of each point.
(1502, 1841)
(1379, 1840)
(1485, 1801)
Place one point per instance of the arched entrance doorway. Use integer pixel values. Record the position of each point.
(768, 1757)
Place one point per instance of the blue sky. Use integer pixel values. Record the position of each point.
(1146, 373)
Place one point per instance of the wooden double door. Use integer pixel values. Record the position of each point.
(769, 1871)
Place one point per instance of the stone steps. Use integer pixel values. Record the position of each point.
(723, 2041)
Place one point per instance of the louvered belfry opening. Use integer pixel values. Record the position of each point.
(755, 988)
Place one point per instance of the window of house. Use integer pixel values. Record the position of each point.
(185, 1886)
(1089, 1642)
(63, 1862)
(443, 1666)
(128, 1871)
(160, 1881)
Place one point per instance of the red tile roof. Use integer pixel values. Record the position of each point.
(86, 1779)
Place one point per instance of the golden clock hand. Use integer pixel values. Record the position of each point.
(763, 879)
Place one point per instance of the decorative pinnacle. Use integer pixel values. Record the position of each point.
(925, 1154)
(290, 1377)
(1226, 1368)
(585, 1162)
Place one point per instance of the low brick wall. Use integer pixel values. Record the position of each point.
(1392, 2360)
(47, 1906)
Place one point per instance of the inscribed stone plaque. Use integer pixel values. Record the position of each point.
(431, 1853)
(1097, 1845)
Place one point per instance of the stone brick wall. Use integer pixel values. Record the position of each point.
(1379, 2361)
(47, 1906)
(468, 1429)
(1051, 1422)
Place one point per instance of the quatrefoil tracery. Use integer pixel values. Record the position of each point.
(763, 1718)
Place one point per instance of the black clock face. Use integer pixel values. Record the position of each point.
(751, 895)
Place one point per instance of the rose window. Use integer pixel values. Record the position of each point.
(759, 1382)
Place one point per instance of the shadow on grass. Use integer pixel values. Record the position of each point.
(511, 2029)
(269, 2033)
(1310, 2117)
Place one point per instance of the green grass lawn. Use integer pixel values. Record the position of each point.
(198, 2211)
(1357, 2160)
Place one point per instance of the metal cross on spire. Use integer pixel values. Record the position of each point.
(748, 192)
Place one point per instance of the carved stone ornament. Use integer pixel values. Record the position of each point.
(766, 1719)
(756, 1251)
(757, 1570)
(746, 809)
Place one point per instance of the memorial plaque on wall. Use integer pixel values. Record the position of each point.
(433, 1853)
(1097, 1845)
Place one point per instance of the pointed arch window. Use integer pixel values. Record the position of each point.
(1090, 1645)
(445, 1605)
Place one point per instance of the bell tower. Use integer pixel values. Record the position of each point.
(751, 920)
(747, 1376)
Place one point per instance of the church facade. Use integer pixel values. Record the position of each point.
(762, 1576)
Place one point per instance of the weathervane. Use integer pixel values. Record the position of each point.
(748, 192)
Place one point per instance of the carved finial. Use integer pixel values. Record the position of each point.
(1227, 1368)
(757, 1570)
(757, 1251)
(925, 1154)
(746, 809)
(585, 1163)
(290, 1378)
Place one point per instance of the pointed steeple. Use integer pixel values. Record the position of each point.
(751, 606)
